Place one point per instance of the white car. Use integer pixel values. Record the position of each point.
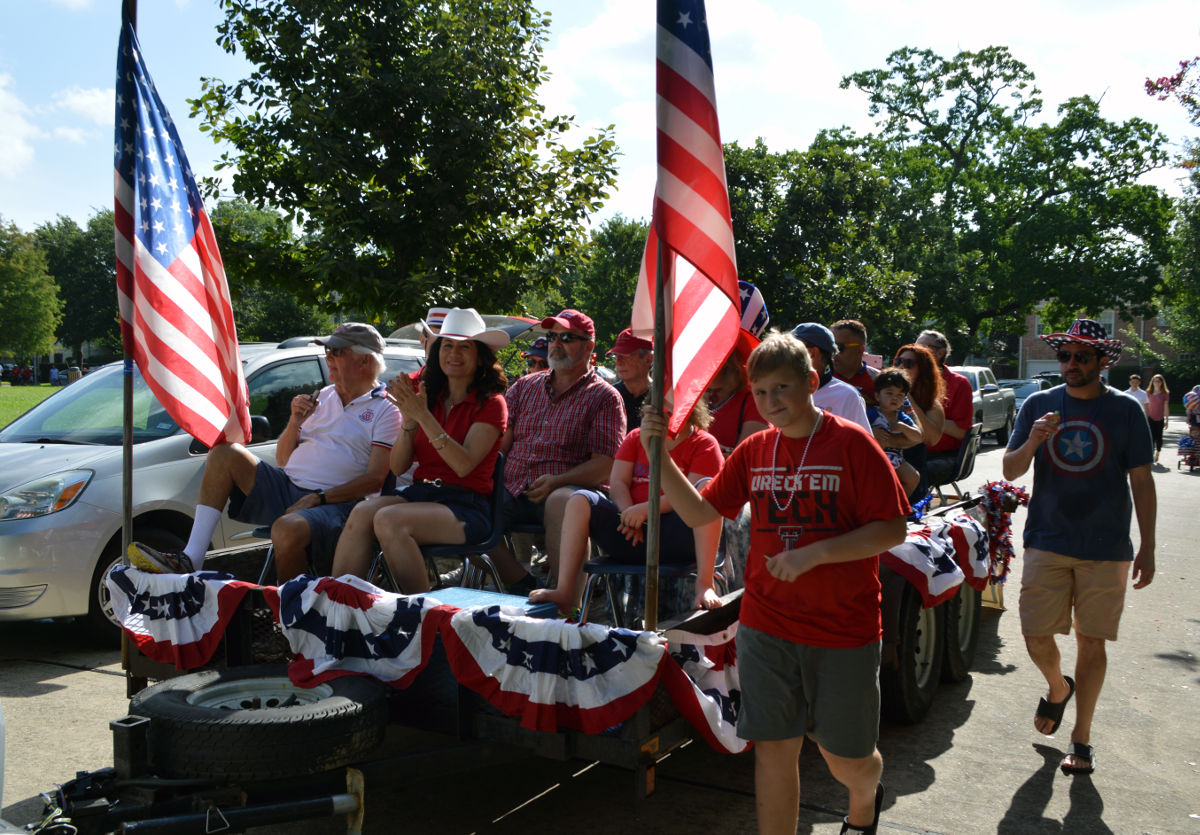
(60, 477)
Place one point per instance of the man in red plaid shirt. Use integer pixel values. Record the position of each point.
(564, 427)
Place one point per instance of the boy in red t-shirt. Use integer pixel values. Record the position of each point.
(824, 503)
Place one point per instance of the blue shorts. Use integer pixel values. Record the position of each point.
(273, 494)
(473, 509)
(677, 545)
(519, 510)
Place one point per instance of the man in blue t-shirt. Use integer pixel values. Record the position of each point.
(1091, 451)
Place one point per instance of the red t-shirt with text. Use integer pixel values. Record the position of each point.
(846, 482)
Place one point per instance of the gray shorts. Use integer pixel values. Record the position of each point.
(273, 493)
(792, 690)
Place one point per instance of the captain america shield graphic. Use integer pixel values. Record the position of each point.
(1078, 447)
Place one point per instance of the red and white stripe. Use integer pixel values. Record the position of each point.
(178, 326)
(692, 222)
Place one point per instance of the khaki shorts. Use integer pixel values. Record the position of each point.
(1052, 585)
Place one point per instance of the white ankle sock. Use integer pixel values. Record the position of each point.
(203, 528)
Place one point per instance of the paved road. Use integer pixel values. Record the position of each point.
(976, 765)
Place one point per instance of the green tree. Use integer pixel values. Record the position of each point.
(406, 140)
(1000, 212)
(260, 250)
(602, 279)
(83, 264)
(30, 308)
(812, 234)
(1180, 299)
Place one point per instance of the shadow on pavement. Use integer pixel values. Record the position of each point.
(1025, 813)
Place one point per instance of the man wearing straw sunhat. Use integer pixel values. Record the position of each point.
(1091, 451)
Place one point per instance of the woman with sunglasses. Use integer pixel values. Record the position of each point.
(452, 425)
(925, 407)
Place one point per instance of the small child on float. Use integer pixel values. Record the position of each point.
(616, 523)
(888, 418)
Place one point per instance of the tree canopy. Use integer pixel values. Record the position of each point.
(30, 308)
(1181, 289)
(812, 235)
(260, 252)
(406, 140)
(82, 262)
(602, 279)
(1000, 211)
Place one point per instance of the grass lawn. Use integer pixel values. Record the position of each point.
(16, 400)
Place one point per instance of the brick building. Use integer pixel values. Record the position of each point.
(1035, 356)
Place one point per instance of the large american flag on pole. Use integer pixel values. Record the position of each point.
(176, 317)
(691, 217)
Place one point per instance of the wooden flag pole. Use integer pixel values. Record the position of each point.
(655, 453)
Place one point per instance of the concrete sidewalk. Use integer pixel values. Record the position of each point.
(975, 765)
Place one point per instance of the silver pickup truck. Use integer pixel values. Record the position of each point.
(995, 407)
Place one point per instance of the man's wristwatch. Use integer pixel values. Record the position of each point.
(321, 495)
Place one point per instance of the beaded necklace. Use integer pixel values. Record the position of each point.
(775, 452)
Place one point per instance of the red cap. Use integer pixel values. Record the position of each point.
(572, 320)
(627, 343)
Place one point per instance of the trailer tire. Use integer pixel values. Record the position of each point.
(251, 723)
(962, 632)
(100, 623)
(907, 688)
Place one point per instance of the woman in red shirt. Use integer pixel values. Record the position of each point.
(452, 425)
(617, 525)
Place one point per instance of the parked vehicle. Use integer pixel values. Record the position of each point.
(995, 407)
(1024, 388)
(60, 477)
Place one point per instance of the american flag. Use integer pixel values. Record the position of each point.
(691, 215)
(176, 317)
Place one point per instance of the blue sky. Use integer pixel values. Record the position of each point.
(777, 64)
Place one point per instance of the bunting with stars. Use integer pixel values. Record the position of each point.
(176, 316)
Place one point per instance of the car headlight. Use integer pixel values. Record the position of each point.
(44, 495)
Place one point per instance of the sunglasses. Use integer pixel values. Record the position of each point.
(906, 362)
(1081, 357)
(536, 362)
(335, 352)
(841, 346)
(565, 338)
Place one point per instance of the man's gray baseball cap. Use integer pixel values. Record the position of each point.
(354, 335)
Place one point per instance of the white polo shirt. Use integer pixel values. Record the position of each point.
(335, 442)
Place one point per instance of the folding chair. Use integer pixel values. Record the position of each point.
(477, 565)
(964, 465)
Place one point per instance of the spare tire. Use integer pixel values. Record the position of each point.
(251, 723)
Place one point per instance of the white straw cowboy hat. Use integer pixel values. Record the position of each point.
(1087, 332)
(461, 324)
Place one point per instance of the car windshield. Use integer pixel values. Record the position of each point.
(89, 411)
(1021, 388)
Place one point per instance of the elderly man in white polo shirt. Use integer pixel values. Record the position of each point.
(333, 452)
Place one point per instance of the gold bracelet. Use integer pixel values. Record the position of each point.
(443, 438)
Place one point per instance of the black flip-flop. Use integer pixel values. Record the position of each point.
(874, 827)
(1082, 751)
(1054, 710)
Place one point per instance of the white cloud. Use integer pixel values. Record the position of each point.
(76, 136)
(16, 132)
(95, 104)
